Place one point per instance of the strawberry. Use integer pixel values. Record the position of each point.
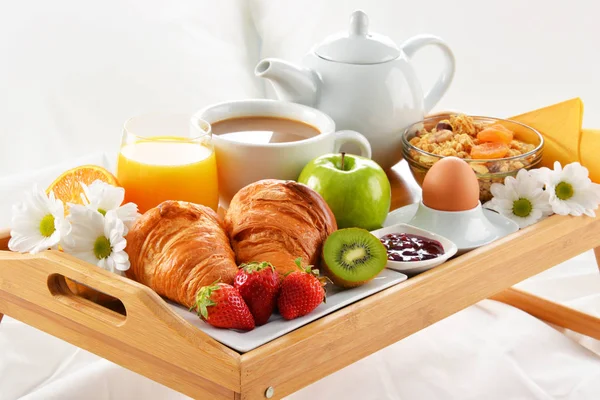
(301, 292)
(221, 305)
(258, 283)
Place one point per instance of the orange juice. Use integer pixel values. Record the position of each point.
(168, 168)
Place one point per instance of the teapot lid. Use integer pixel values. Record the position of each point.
(358, 45)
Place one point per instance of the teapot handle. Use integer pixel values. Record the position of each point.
(416, 43)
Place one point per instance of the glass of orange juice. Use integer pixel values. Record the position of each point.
(167, 157)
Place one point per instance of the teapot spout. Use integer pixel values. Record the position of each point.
(291, 83)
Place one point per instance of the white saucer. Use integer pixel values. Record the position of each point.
(416, 267)
(497, 226)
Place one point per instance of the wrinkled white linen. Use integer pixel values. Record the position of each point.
(73, 71)
(488, 351)
(511, 55)
(12, 188)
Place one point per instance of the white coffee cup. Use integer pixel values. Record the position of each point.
(240, 163)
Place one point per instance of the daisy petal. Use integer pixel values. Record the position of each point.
(103, 263)
(119, 244)
(30, 222)
(124, 266)
(120, 257)
(109, 264)
(542, 175)
(559, 207)
(87, 256)
(128, 213)
(23, 243)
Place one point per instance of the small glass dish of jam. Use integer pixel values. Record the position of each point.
(413, 250)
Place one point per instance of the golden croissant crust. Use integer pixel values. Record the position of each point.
(178, 247)
(278, 221)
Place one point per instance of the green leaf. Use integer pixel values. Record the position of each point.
(203, 311)
(256, 266)
(203, 300)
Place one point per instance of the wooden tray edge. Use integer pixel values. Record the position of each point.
(24, 283)
(356, 331)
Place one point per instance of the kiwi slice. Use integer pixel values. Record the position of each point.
(352, 257)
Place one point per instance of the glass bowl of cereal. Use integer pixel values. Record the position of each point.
(495, 148)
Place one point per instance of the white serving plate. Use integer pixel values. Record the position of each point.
(416, 267)
(277, 326)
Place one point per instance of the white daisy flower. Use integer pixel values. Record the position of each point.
(102, 197)
(571, 190)
(97, 239)
(521, 199)
(38, 223)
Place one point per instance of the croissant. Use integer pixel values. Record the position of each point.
(178, 247)
(278, 221)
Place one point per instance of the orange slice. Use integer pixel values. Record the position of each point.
(496, 133)
(67, 187)
(489, 150)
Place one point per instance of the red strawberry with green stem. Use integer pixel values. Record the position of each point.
(221, 305)
(258, 283)
(301, 292)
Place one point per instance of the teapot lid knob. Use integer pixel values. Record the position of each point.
(357, 45)
(359, 23)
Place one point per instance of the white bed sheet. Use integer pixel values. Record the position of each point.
(488, 351)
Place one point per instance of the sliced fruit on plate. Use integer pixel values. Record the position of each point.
(489, 150)
(353, 256)
(496, 133)
(301, 292)
(67, 187)
(222, 306)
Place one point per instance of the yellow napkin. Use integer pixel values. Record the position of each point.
(565, 140)
(589, 150)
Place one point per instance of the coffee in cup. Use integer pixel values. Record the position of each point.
(260, 139)
(263, 130)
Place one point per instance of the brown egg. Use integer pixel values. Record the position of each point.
(450, 185)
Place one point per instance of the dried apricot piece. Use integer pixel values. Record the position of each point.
(489, 150)
(496, 133)
(500, 127)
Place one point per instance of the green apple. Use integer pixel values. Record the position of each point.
(355, 188)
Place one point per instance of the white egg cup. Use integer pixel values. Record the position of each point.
(416, 267)
(468, 229)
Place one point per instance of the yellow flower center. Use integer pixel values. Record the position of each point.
(102, 211)
(47, 225)
(102, 248)
(522, 207)
(564, 191)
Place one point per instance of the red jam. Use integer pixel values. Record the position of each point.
(409, 247)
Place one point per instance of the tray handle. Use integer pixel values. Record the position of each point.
(146, 336)
(114, 313)
(40, 279)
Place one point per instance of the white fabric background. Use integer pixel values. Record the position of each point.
(73, 71)
(511, 56)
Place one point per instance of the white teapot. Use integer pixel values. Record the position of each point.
(364, 82)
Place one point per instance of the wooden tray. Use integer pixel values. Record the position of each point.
(149, 338)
